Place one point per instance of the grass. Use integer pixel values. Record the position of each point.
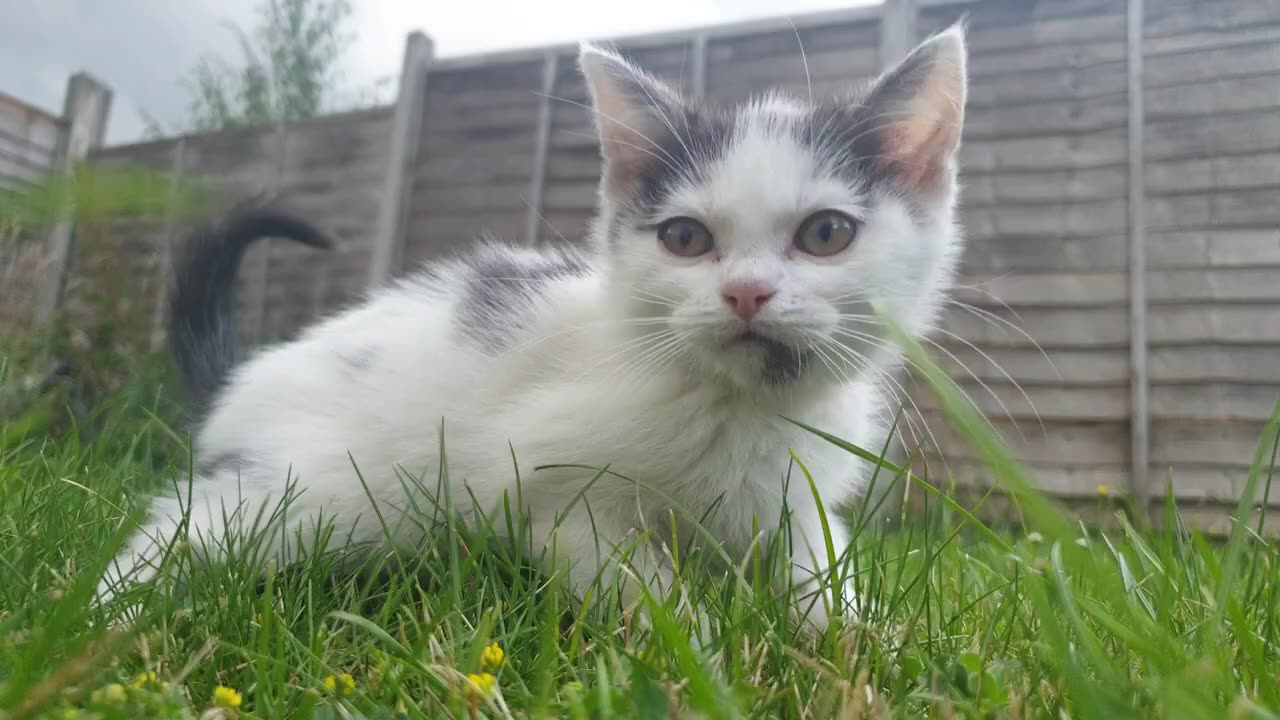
(961, 619)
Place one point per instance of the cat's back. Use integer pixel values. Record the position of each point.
(432, 344)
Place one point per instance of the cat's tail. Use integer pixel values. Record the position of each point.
(202, 327)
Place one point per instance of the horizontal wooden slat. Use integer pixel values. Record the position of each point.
(1050, 117)
(446, 198)
(1005, 401)
(1197, 137)
(1044, 289)
(1173, 17)
(1051, 327)
(1073, 482)
(1221, 95)
(1214, 401)
(988, 66)
(1203, 40)
(1029, 252)
(1202, 323)
(1006, 33)
(1232, 209)
(1212, 64)
(1091, 150)
(840, 37)
(1043, 186)
(1222, 248)
(1064, 444)
(1179, 444)
(1224, 172)
(1047, 221)
(1029, 365)
(475, 170)
(1046, 85)
(570, 195)
(845, 64)
(1248, 284)
(1210, 363)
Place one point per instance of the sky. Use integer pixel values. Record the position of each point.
(144, 49)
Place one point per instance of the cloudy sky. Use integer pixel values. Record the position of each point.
(144, 48)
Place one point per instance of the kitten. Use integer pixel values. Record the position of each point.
(735, 259)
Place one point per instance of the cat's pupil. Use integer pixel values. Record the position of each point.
(825, 230)
(686, 237)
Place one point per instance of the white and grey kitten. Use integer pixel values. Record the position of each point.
(733, 266)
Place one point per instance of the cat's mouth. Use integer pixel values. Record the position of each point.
(751, 338)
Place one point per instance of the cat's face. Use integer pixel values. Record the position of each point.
(753, 241)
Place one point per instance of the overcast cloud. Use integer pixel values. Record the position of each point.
(143, 49)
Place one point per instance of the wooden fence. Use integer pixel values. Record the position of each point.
(1121, 172)
(34, 145)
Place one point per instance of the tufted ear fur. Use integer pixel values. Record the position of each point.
(917, 112)
(631, 108)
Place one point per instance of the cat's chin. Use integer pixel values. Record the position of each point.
(753, 360)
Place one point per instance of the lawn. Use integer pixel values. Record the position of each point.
(959, 619)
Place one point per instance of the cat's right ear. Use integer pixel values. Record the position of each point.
(631, 108)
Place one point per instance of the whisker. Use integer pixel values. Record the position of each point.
(803, 59)
(883, 345)
(999, 368)
(633, 146)
(611, 119)
(996, 320)
(988, 294)
(867, 365)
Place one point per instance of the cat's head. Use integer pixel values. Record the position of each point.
(753, 240)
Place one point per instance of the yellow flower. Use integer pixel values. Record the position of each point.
(483, 684)
(144, 679)
(343, 684)
(113, 693)
(1104, 490)
(492, 656)
(225, 697)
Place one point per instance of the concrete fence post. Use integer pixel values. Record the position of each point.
(1139, 409)
(85, 112)
(402, 156)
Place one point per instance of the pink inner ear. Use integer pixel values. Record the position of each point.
(919, 147)
(918, 151)
(625, 157)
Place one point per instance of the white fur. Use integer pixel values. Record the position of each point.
(692, 424)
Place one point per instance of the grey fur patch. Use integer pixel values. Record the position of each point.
(702, 135)
(782, 363)
(499, 292)
(358, 360)
(223, 462)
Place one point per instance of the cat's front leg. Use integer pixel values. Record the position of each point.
(820, 590)
(600, 553)
(612, 558)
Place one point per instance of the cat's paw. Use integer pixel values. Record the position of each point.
(817, 609)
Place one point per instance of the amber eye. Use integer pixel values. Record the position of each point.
(826, 233)
(685, 237)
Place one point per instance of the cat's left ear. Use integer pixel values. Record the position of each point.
(631, 108)
(915, 112)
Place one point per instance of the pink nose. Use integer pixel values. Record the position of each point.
(746, 298)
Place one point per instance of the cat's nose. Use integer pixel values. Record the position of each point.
(747, 297)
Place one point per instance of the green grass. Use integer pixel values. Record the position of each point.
(1048, 620)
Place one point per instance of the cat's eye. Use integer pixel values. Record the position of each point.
(685, 237)
(826, 233)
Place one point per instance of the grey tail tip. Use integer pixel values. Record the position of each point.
(202, 324)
